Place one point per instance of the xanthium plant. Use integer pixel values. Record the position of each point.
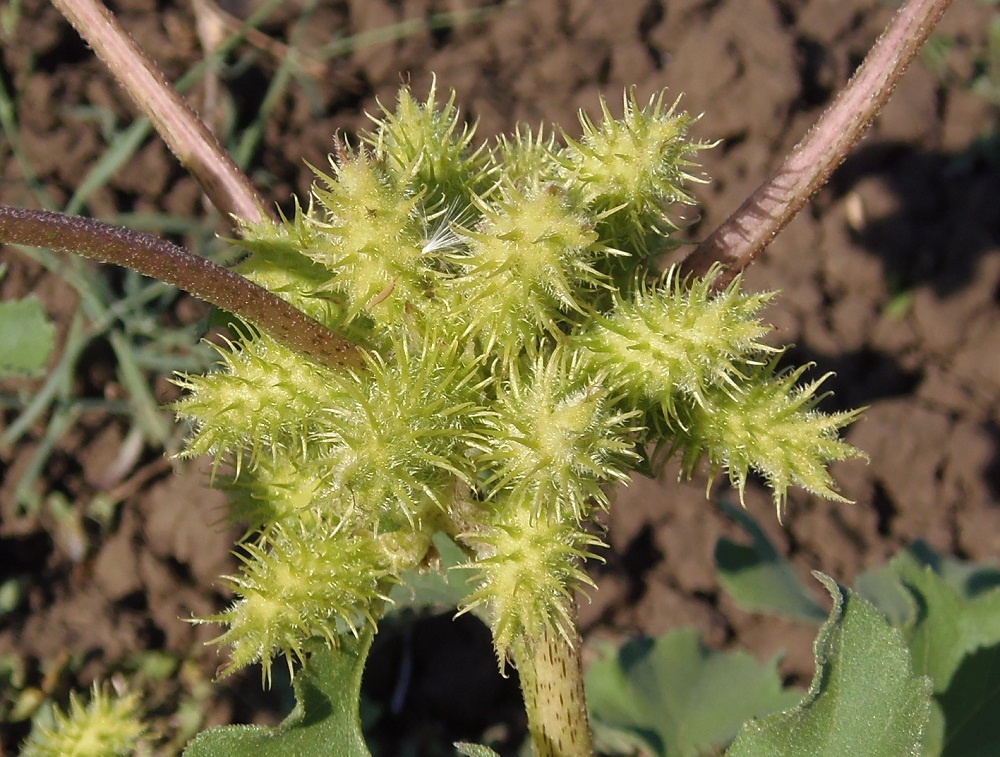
(522, 353)
(107, 724)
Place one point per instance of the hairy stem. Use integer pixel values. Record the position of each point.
(167, 262)
(551, 674)
(742, 236)
(226, 186)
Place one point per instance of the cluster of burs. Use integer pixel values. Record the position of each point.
(522, 354)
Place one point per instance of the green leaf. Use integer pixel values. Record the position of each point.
(950, 625)
(934, 733)
(881, 586)
(949, 612)
(970, 579)
(955, 638)
(970, 706)
(759, 578)
(864, 698)
(678, 696)
(438, 589)
(325, 720)
(26, 337)
(474, 750)
(609, 740)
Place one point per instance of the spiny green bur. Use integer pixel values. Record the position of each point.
(522, 354)
(107, 725)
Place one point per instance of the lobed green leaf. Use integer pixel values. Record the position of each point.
(680, 698)
(325, 719)
(864, 698)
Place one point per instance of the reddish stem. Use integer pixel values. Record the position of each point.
(188, 138)
(744, 235)
(167, 262)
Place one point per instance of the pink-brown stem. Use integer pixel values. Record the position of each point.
(167, 262)
(226, 186)
(744, 235)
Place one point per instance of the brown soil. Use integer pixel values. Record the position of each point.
(915, 212)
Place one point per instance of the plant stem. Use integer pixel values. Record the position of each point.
(228, 188)
(167, 262)
(551, 674)
(744, 235)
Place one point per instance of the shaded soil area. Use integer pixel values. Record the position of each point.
(890, 279)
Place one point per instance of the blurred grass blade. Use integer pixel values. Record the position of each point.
(119, 152)
(140, 398)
